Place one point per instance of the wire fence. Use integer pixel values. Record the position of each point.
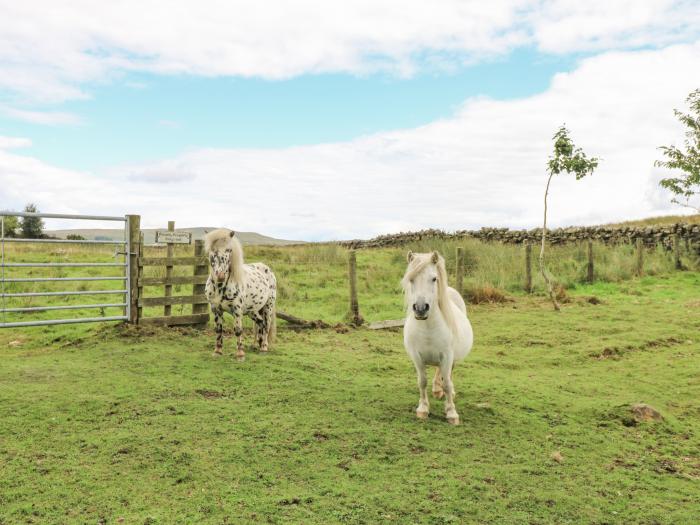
(313, 279)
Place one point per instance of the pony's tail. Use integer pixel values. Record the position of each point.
(272, 335)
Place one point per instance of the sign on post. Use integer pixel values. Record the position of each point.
(173, 237)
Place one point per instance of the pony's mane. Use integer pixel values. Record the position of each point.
(419, 262)
(221, 239)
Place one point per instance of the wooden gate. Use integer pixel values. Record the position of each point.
(199, 315)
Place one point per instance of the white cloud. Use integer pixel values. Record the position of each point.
(50, 52)
(166, 173)
(565, 26)
(485, 166)
(14, 142)
(49, 118)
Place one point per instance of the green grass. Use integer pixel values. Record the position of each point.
(100, 423)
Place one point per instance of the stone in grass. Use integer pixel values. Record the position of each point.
(641, 413)
(486, 407)
(557, 456)
(633, 415)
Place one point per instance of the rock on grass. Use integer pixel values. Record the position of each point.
(641, 412)
(633, 415)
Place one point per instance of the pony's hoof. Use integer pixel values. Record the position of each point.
(217, 351)
(422, 414)
(438, 394)
(453, 420)
(240, 357)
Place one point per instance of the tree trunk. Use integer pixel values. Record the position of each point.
(543, 270)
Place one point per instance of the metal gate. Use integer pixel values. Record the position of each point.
(8, 267)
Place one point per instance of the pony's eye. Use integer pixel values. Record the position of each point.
(434, 279)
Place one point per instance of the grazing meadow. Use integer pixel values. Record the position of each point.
(109, 423)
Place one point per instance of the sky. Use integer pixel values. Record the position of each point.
(334, 120)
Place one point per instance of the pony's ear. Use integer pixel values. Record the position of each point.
(232, 233)
(409, 256)
(435, 257)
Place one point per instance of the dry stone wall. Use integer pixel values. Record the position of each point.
(663, 235)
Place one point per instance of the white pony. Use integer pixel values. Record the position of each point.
(437, 331)
(240, 289)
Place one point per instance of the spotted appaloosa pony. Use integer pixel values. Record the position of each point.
(437, 331)
(240, 289)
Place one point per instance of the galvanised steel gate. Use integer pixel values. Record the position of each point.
(6, 268)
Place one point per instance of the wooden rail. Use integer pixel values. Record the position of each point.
(185, 279)
(172, 261)
(173, 299)
(177, 320)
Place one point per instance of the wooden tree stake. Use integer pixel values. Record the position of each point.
(459, 272)
(528, 267)
(354, 305)
(640, 257)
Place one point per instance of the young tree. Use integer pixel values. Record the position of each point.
(685, 186)
(566, 159)
(10, 226)
(32, 227)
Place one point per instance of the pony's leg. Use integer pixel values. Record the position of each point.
(238, 330)
(219, 329)
(423, 404)
(438, 392)
(266, 327)
(257, 332)
(448, 387)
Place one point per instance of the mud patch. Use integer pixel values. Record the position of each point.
(618, 352)
(210, 394)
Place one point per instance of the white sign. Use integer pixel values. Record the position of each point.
(173, 237)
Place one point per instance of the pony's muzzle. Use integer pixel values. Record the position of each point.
(420, 310)
(220, 277)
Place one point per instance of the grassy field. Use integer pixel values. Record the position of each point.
(107, 424)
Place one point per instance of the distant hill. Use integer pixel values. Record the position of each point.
(659, 221)
(149, 235)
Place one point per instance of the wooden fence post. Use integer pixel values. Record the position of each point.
(198, 289)
(134, 224)
(167, 309)
(640, 257)
(139, 279)
(528, 267)
(677, 251)
(354, 305)
(459, 272)
(589, 268)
